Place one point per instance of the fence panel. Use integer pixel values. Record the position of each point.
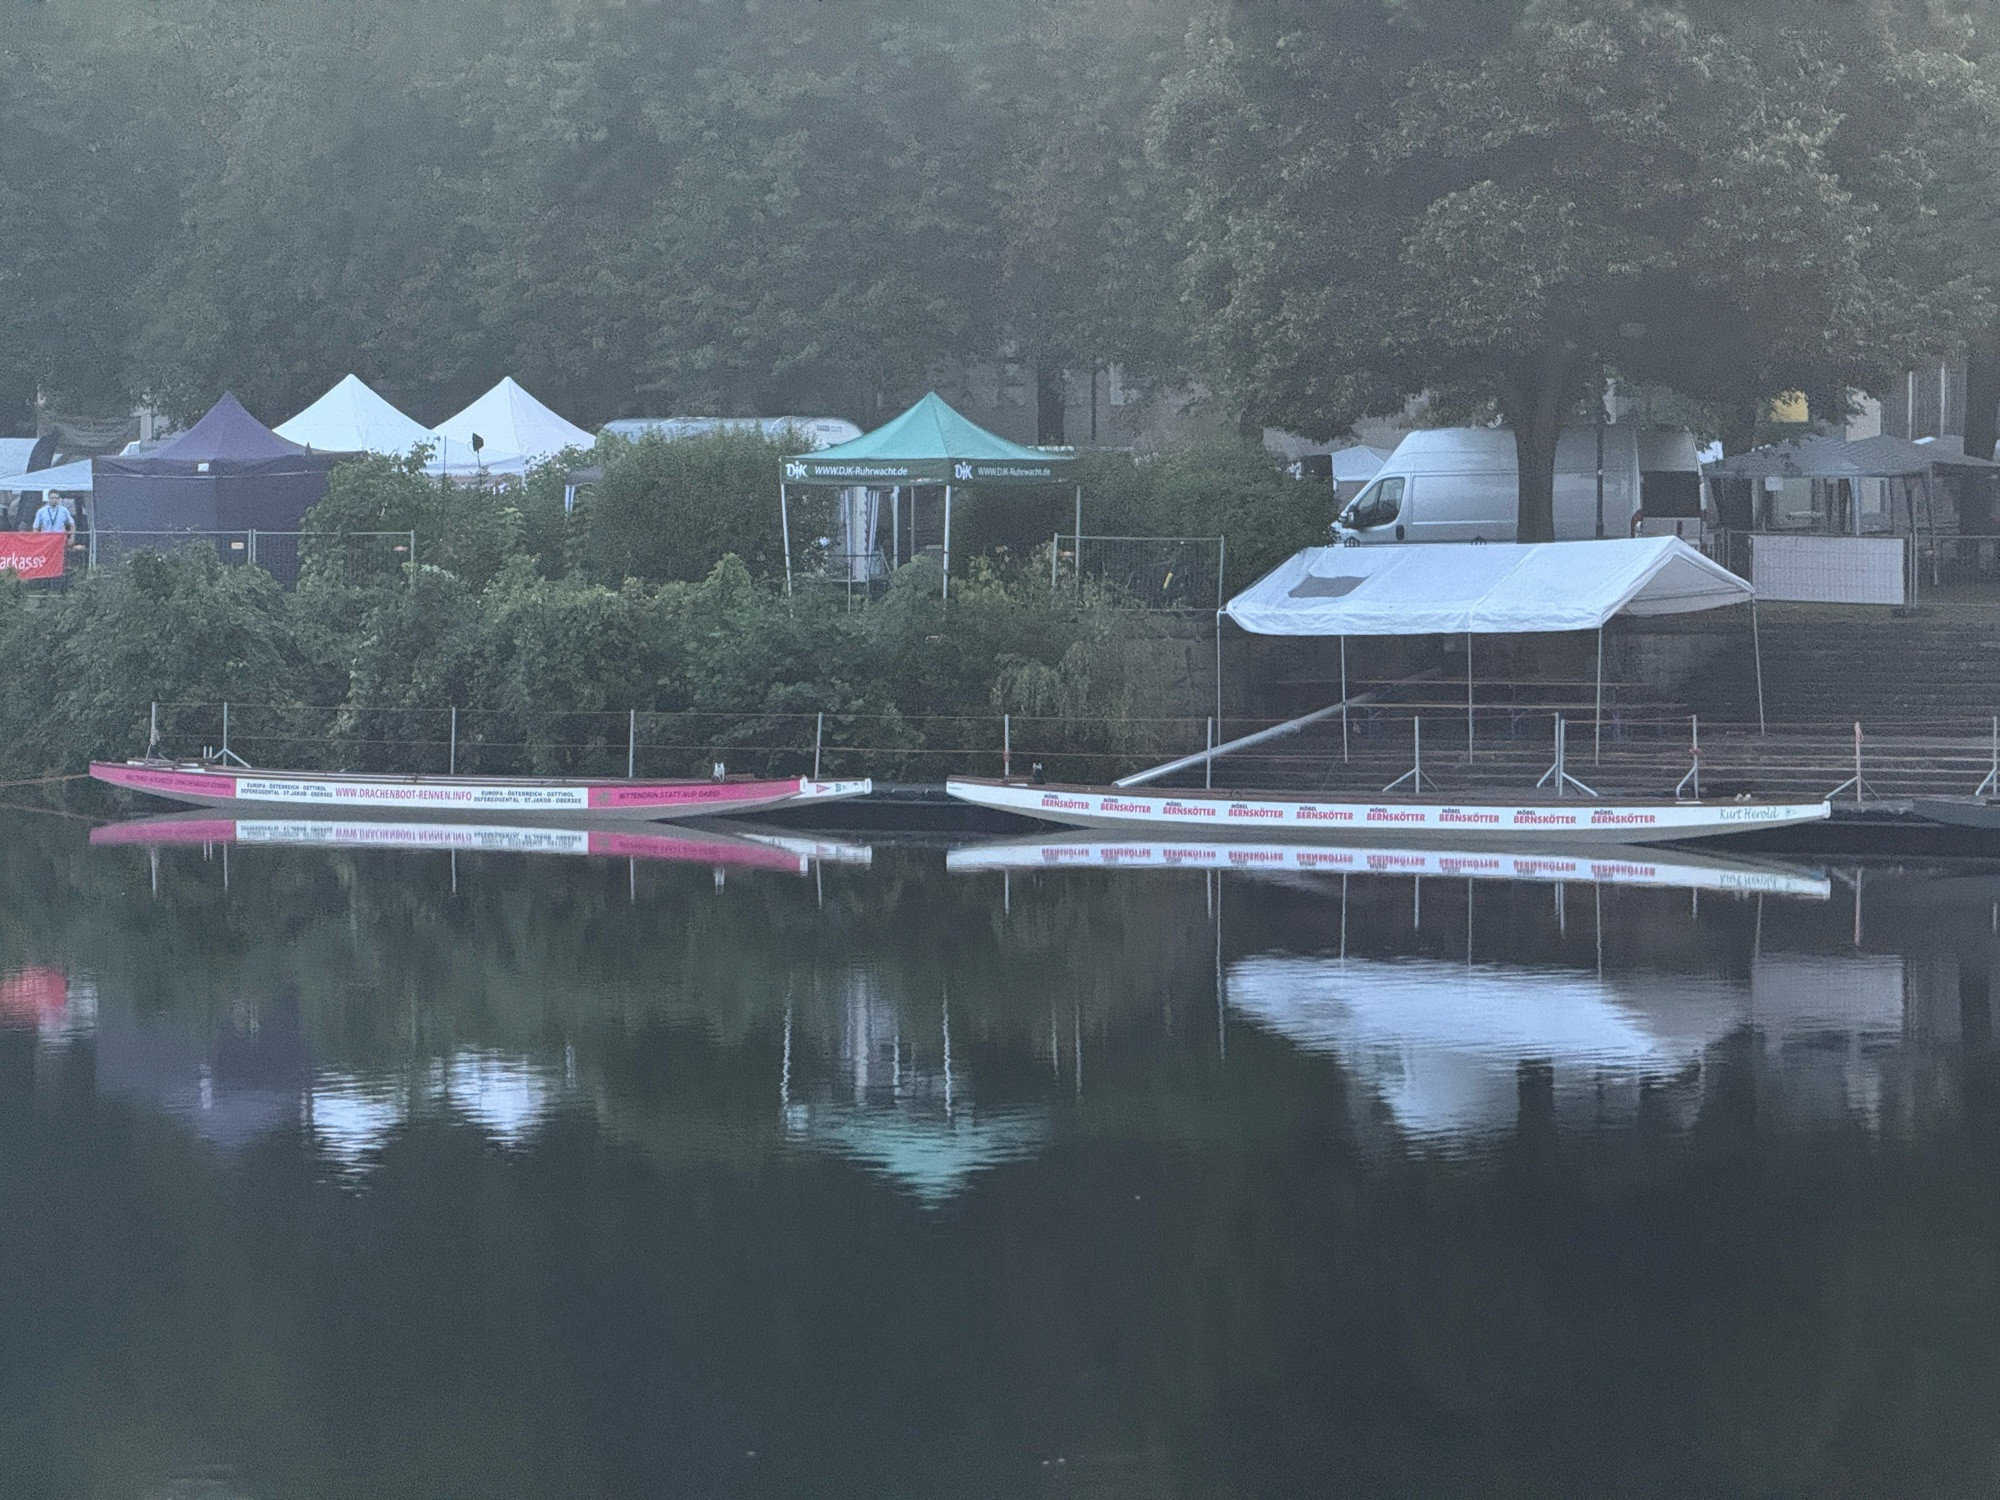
(1175, 574)
(288, 556)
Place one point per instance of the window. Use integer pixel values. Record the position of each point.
(1378, 505)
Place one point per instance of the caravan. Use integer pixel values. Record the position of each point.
(1461, 484)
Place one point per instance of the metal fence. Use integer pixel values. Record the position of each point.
(1174, 574)
(616, 743)
(286, 555)
(1494, 750)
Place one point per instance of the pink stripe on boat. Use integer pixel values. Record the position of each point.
(690, 794)
(200, 784)
(155, 831)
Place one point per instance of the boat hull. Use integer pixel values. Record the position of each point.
(1958, 812)
(456, 797)
(713, 844)
(1479, 822)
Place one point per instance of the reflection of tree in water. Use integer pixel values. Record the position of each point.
(1213, 1275)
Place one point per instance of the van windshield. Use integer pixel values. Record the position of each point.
(1378, 505)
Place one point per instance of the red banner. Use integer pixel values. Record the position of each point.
(32, 554)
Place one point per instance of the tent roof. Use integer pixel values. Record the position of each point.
(1358, 464)
(16, 454)
(517, 429)
(1472, 588)
(929, 444)
(1880, 457)
(352, 418)
(68, 478)
(227, 433)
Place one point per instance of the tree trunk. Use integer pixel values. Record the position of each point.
(1051, 398)
(1982, 404)
(1739, 432)
(1535, 394)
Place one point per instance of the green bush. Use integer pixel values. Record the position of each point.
(668, 511)
(545, 628)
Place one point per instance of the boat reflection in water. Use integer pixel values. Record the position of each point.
(714, 844)
(1680, 869)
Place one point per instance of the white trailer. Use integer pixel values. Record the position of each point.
(1462, 484)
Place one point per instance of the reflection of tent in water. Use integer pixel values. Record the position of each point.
(1441, 1043)
(231, 1090)
(932, 1155)
(894, 1106)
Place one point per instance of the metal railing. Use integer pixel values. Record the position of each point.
(1496, 751)
(1174, 574)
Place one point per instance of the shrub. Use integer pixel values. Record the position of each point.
(669, 511)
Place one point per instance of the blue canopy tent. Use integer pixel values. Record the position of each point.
(229, 472)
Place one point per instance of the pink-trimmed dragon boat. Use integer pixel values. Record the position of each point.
(208, 784)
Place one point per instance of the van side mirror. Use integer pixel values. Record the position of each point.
(1399, 531)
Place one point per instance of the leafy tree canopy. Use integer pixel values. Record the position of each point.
(1495, 202)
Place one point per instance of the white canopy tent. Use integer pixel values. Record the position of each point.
(1483, 589)
(516, 432)
(69, 479)
(352, 418)
(1469, 589)
(17, 454)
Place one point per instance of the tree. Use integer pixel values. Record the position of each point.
(77, 202)
(1495, 203)
(1088, 231)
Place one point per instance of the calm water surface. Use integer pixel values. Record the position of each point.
(389, 1172)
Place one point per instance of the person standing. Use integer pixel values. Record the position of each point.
(56, 516)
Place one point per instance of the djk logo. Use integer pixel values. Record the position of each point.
(961, 471)
(795, 471)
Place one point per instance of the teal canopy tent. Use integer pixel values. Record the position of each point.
(930, 444)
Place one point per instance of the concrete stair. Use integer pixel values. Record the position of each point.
(1938, 667)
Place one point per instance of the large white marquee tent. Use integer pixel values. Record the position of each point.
(516, 432)
(353, 418)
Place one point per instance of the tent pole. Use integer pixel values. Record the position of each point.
(895, 528)
(1757, 656)
(1218, 671)
(1343, 700)
(945, 591)
(785, 528)
(1468, 697)
(1597, 747)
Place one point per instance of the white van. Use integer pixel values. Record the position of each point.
(1462, 484)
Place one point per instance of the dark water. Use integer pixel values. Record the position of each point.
(334, 1172)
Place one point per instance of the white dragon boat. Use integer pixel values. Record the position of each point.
(1478, 821)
